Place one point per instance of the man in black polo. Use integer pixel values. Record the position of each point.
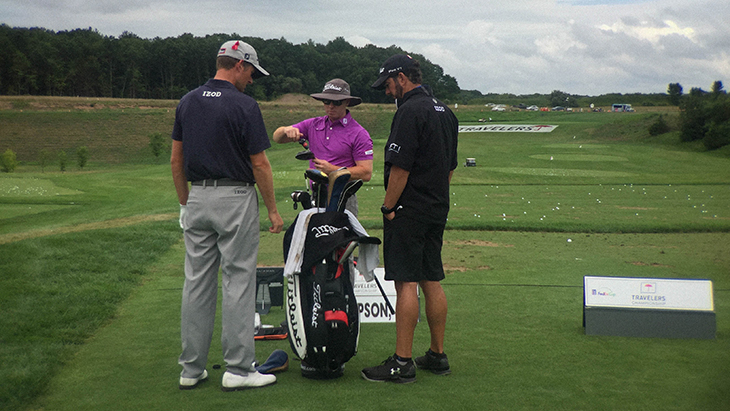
(218, 144)
(420, 158)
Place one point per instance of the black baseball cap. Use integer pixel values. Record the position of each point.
(394, 65)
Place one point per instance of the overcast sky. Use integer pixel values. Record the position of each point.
(587, 47)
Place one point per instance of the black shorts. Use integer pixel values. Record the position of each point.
(412, 250)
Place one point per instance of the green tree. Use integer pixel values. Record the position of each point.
(157, 143)
(561, 98)
(660, 126)
(44, 157)
(706, 116)
(62, 160)
(8, 161)
(717, 89)
(718, 135)
(82, 156)
(693, 116)
(718, 119)
(82, 62)
(675, 93)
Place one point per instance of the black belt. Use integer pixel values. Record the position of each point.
(221, 182)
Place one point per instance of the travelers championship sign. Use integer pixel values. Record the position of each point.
(648, 307)
(370, 301)
(652, 293)
(506, 128)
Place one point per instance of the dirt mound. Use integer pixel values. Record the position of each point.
(293, 98)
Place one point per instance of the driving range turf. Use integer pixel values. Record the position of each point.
(91, 264)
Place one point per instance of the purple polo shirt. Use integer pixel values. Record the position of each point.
(342, 142)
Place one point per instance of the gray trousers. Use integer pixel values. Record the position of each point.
(221, 231)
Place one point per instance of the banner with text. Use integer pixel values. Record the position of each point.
(370, 301)
(506, 128)
(653, 293)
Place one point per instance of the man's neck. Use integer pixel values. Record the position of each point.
(410, 87)
(225, 75)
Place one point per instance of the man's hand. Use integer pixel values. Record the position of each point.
(293, 134)
(325, 166)
(287, 134)
(277, 223)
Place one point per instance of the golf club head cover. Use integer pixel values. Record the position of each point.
(305, 155)
(337, 182)
(350, 189)
(317, 176)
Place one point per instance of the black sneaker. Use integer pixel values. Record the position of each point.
(392, 371)
(436, 363)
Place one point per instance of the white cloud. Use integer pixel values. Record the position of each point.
(358, 41)
(557, 45)
(479, 32)
(646, 31)
(578, 46)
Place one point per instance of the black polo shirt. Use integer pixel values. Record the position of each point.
(423, 141)
(220, 128)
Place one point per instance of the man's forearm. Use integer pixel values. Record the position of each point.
(265, 182)
(363, 170)
(396, 184)
(178, 172)
(286, 134)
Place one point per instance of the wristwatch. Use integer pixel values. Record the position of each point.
(386, 210)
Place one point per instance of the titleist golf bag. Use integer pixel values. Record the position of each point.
(322, 312)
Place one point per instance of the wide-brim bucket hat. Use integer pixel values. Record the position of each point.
(337, 90)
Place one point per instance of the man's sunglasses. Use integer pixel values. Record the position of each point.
(336, 103)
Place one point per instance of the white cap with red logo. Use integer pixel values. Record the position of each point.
(241, 50)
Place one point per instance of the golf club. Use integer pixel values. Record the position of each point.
(306, 154)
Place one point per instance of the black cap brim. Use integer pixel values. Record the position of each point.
(380, 82)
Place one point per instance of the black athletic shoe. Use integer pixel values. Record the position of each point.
(436, 363)
(392, 371)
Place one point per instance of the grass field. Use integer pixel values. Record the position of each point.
(91, 266)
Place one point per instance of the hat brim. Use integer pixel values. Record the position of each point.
(336, 97)
(380, 82)
(260, 72)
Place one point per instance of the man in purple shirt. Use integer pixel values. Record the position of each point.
(336, 140)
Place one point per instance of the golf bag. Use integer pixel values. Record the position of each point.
(322, 313)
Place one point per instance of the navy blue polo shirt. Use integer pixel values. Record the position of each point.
(423, 141)
(220, 129)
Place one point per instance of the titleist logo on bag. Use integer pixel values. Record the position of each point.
(325, 230)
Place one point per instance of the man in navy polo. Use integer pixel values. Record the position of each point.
(218, 145)
(420, 158)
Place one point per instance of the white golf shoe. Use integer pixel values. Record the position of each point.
(233, 382)
(190, 383)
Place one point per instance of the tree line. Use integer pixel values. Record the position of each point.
(703, 115)
(83, 62)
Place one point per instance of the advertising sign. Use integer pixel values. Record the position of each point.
(649, 293)
(370, 301)
(507, 128)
